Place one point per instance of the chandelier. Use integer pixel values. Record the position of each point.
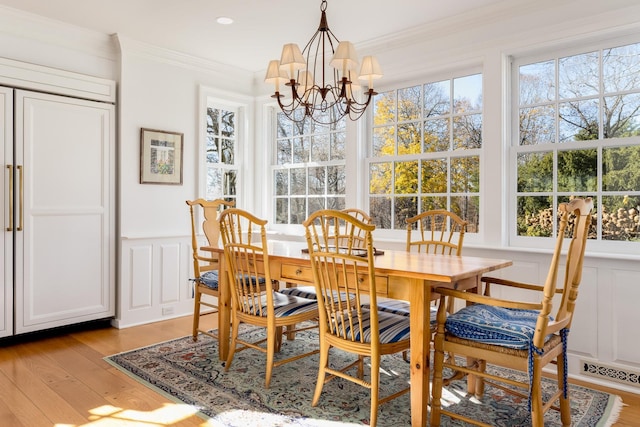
(323, 78)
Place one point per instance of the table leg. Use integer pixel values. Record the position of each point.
(420, 348)
(224, 310)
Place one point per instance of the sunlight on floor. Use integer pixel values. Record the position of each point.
(111, 416)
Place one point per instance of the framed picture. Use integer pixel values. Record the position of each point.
(160, 157)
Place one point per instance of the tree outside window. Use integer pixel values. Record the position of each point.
(425, 151)
(220, 156)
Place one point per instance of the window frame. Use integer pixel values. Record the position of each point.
(513, 148)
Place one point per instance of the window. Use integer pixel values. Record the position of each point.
(425, 152)
(221, 153)
(577, 133)
(309, 171)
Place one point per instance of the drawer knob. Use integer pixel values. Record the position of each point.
(298, 272)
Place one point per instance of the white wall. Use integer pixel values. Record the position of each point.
(160, 89)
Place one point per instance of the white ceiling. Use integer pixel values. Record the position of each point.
(260, 29)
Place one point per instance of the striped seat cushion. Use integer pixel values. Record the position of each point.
(309, 292)
(288, 305)
(401, 308)
(209, 279)
(513, 328)
(393, 328)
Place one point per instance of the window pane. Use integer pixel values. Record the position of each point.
(537, 125)
(382, 208)
(467, 207)
(214, 183)
(337, 145)
(213, 121)
(621, 116)
(578, 75)
(228, 151)
(578, 120)
(380, 178)
(568, 232)
(465, 175)
(284, 152)
(535, 172)
(213, 155)
(320, 148)
(577, 170)
(316, 204)
(621, 218)
(535, 216)
(409, 138)
(434, 176)
(300, 150)
(298, 181)
(227, 123)
(298, 210)
(284, 126)
(621, 169)
(282, 182)
(336, 178)
(406, 177)
(409, 103)
(316, 180)
(384, 141)
(467, 93)
(537, 83)
(436, 135)
(405, 207)
(384, 108)
(282, 211)
(431, 203)
(230, 183)
(437, 98)
(467, 131)
(621, 68)
(337, 203)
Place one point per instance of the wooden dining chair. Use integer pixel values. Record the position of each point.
(205, 264)
(349, 269)
(254, 299)
(519, 335)
(310, 291)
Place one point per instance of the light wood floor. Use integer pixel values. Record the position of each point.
(61, 380)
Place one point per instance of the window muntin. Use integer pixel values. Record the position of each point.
(578, 134)
(221, 153)
(309, 172)
(425, 151)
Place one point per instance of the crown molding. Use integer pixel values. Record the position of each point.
(51, 32)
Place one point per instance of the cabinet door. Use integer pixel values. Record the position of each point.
(65, 251)
(6, 247)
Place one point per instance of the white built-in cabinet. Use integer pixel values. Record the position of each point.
(58, 192)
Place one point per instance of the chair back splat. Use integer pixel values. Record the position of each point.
(521, 335)
(342, 257)
(436, 231)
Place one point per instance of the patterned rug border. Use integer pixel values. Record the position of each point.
(609, 416)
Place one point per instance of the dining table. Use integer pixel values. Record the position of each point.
(402, 275)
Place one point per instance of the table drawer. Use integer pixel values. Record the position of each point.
(297, 273)
(382, 284)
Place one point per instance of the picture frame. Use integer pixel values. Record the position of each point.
(160, 157)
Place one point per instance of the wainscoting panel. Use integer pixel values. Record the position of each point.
(141, 275)
(626, 308)
(170, 268)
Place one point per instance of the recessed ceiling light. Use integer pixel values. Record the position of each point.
(224, 20)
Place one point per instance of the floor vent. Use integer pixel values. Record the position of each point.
(611, 373)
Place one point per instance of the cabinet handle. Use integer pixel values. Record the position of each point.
(20, 226)
(10, 227)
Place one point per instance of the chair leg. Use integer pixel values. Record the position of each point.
(565, 407)
(196, 314)
(436, 404)
(375, 390)
(232, 348)
(537, 416)
(273, 339)
(324, 362)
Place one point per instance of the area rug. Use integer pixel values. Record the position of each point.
(190, 372)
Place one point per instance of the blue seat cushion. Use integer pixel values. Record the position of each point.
(513, 328)
(209, 279)
(393, 328)
(284, 305)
